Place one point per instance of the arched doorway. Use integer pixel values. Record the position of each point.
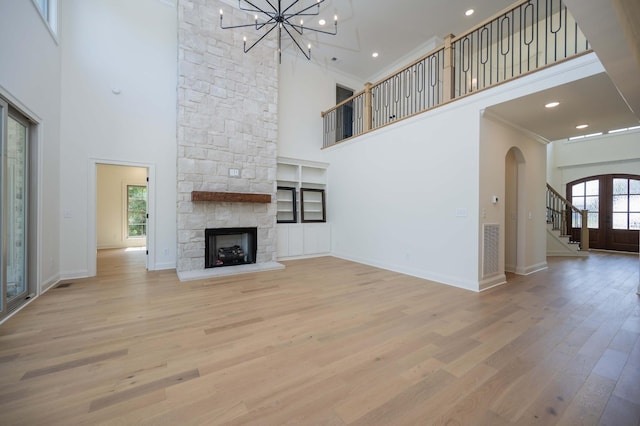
(613, 202)
(513, 206)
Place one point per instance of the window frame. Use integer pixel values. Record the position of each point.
(127, 211)
(48, 12)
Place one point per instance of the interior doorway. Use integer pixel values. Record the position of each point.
(513, 208)
(120, 212)
(344, 117)
(121, 215)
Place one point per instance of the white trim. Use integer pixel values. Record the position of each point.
(531, 268)
(92, 247)
(492, 282)
(412, 272)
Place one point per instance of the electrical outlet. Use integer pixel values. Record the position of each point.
(234, 173)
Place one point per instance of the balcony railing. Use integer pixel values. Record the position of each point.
(520, 40)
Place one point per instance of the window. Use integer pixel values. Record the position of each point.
(586, 196)
(48, 9)
(44, 7)
(626, 203)
(136, 211)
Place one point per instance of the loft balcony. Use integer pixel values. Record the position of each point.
(530, 36)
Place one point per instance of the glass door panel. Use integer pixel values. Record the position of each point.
(15, 209)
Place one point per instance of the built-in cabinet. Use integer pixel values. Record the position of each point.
(302, 229)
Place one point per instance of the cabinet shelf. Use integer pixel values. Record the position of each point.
(301, 186)
(316, 211)
(286, 210)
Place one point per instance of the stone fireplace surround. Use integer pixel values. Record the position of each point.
(227, 137)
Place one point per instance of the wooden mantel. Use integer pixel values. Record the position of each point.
(230, 197)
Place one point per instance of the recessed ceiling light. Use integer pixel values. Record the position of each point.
(322, 22)
(552, 104)
(469, 12)
(582, 126)
(374, 54)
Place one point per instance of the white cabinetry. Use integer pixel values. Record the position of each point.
(302, 228)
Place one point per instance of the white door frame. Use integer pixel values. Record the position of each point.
(92, 240)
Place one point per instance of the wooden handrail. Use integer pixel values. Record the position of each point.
(564, 200)
(346, 101)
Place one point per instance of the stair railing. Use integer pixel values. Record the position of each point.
(564, 216)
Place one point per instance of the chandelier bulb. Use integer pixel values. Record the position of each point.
(221, 12)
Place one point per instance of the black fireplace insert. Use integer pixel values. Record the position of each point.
(230, 246)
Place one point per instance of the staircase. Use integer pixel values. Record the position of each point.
(560, 214)
(561, 245)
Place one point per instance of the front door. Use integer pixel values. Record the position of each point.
(613, 202)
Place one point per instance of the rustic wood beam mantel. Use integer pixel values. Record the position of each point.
(230, 197)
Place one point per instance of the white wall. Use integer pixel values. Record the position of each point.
(111, 218)
(30, 79)
(608, 154)
(393, 196)
(130, 47)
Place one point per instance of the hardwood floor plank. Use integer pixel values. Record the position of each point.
(74, 364)
(143, 389)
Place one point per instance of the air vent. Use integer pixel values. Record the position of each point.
(490, 249)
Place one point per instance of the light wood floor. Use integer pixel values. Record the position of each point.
(327, 342)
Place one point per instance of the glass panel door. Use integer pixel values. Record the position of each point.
(15, 209)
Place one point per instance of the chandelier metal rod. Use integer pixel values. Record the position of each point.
(280, 18)
(308, 56)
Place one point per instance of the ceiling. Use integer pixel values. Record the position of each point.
(398, 29)
(593, 100)
(391, 28)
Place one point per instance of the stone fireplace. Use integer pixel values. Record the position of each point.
(227, 137)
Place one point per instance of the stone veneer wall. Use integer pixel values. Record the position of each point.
(227, 118)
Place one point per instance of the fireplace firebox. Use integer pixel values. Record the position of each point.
(230, 246)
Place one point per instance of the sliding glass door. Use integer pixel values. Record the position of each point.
(14, 214)
(15, 208)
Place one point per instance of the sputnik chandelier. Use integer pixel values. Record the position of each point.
(270, 15)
